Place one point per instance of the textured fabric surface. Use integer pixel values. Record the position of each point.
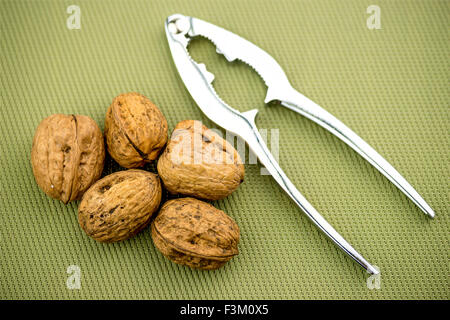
(389, 85)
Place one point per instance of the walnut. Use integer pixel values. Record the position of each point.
(199, 163)
(119, 205)
(135, 130)
(194, 233)
(67, 155)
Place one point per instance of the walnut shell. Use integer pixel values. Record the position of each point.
(119, 205)
(191, 232)
(198, 162)
(135, 130)
(67, 155)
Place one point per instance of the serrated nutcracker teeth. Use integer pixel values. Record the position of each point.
(208, 75)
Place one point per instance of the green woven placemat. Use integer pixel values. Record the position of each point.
(390, 85)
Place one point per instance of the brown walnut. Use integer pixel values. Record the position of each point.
(119, 205)
(135, 130)
(67, 155)
(198, 162)
(191, 232)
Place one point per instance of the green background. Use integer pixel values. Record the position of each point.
(391, 86)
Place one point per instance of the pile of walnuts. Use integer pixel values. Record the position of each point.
(68, 155)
